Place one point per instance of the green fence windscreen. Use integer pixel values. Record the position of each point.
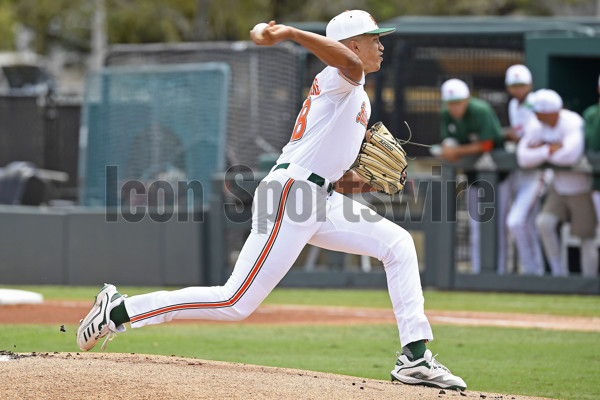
(154, 123)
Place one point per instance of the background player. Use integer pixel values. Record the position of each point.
(295, 205)
(525, 186)
(557, 137)
(591, 117)
(469, 127)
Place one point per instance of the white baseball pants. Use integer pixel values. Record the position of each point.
(521, 221)
(288, 213)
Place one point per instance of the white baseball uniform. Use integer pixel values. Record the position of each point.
(519, 115)
(569, 132)
(526, 188)
(291, 210)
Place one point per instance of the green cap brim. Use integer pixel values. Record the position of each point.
(381, 31)
(455, 99)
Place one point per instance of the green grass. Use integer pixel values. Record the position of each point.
(563, 365)
(573, 305)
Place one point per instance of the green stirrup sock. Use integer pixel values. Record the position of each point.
(414, 350)
(119, 315)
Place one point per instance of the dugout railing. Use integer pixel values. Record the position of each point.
(489, 167)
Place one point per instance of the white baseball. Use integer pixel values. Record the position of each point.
(436, 150)
(258, 30)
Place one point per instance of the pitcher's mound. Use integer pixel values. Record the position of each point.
(14, 296)
(136, 376)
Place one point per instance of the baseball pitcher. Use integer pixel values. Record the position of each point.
(299, 202)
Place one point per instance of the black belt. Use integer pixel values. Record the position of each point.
(314, 178)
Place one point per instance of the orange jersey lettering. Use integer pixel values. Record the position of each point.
(315, 90)
(361, 117)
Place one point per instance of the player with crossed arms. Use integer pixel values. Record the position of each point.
(329, 133)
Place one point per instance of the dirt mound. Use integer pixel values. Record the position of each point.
(135, 376)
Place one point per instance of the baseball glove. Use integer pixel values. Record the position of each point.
(381, 161)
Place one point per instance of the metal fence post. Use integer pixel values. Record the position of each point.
(431, 219)
(447, 227)
(489, 221)
(215, 243)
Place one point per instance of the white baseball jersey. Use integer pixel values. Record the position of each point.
(330, 127)
(519, 115)
(569, 132)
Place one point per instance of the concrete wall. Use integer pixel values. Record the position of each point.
(79, 247)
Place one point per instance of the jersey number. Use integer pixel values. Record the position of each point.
(300, 126)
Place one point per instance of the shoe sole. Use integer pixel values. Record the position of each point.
(96, 310)
(409, 380)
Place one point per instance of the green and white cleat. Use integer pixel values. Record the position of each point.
(426, 371)
(97, 323)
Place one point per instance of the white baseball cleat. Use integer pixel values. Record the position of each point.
(97, 323)
(426, 371)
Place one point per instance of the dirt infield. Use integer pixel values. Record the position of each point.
(132, 376)
(70, 312)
